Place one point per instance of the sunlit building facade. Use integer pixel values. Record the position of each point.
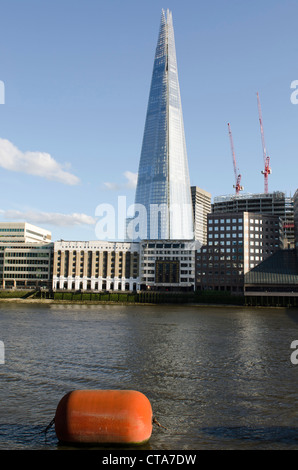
(26, 255)
(163, 197)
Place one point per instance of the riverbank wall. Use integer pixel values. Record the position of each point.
(198, 297)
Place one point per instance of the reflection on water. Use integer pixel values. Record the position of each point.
(217, 378)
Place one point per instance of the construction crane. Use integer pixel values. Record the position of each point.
(237, 184)
(267, 169)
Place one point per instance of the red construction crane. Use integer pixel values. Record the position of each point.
(267, 169)
(237, 184)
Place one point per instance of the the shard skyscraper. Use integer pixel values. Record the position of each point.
(163, 196)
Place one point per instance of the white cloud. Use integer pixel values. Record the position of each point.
(132, 179)
(50, 218)
(131, 182)
(34, 163)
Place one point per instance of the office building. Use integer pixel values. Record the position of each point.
(168, 265)
(23, 232)
(236, 243)
(163, 187)
(201, 203)
(25, 256)
(96, 265)
(276, 203)
(124, 266)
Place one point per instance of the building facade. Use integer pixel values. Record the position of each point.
(236, 243)
(26, 255)
(96, 265)
(295, 209)
(163, 198)
(276, 203)
(124, 266)
(201, 203)
(22, 232)
(168, 265)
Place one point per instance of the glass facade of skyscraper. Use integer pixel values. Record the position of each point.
(163, 198)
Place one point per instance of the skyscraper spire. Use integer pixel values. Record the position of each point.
(163, 187)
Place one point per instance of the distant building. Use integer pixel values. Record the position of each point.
(274, 281)
(295, 205)
(275, 203)
(96, 265)
(23, 232)
(168, 265)
(25, 256)
(201, 203)
(124, 266)
(237, 242)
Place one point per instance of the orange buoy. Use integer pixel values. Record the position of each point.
(104, 416)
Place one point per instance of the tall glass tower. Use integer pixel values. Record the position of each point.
(163, 196)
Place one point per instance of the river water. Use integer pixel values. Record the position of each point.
(216, 377)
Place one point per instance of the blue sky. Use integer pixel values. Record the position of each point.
(77, 77)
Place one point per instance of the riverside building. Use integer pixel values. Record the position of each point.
(276, 203)
(25, 256)
(124, 266)
(96, 265)
(236, 243)
(168, 265)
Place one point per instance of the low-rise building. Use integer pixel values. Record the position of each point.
(124, 266)
(96, 265)
(168, 265)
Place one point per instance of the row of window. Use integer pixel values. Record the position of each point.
(26, 276)
(227, 228)
(11, 230)
(27, 261)
(11, 254)
(111, 276)
(226, 221)
(26, 268)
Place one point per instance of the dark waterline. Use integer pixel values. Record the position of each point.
(217, 378)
